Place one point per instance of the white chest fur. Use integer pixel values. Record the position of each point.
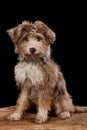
(31, 71)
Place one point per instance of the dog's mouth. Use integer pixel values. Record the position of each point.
(34, 55)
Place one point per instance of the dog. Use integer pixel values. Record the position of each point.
(37, 75)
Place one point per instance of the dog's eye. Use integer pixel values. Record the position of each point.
(39, 38)
(25, 39)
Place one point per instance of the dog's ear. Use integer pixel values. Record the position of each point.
(12, 33)
(49, 35)
(17, 32)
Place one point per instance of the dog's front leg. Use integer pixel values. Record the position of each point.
(22, 102)
(44, 103)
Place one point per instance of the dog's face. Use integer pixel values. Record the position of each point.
(32, 39)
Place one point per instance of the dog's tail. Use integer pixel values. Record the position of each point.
(80, 109)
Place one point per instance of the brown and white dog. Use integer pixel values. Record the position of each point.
(39, 77)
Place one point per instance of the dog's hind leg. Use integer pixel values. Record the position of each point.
(62, 101)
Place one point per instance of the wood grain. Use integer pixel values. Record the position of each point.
(76, 122)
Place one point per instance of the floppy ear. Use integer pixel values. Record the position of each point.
(12, 33)
(50, 36)
(17, 32)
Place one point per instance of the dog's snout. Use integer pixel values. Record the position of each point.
(32, 50)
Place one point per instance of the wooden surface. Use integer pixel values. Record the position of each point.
(76, 122)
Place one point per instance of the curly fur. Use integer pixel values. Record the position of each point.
(39, 77)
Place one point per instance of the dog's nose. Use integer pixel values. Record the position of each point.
(32, 50)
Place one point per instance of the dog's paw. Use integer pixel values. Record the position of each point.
(64, 115)
(40, 119)
(14, 117)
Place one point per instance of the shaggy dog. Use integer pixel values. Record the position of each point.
(39, 77)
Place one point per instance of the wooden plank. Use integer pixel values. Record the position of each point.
(76, 122)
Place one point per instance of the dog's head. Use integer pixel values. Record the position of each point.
(32, 39)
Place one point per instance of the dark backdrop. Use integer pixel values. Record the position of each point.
(69, 49)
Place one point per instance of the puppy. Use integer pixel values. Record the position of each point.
(39, 77)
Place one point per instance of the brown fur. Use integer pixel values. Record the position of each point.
(39, 77)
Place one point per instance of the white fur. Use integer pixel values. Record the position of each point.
(14, 116)
(30, 71)
(33, 43)
(41, 116)
(42, 112)
(48, 54)
(64, 115)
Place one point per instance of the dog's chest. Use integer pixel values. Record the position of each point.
(31, 71)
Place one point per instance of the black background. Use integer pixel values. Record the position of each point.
(69, 49)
